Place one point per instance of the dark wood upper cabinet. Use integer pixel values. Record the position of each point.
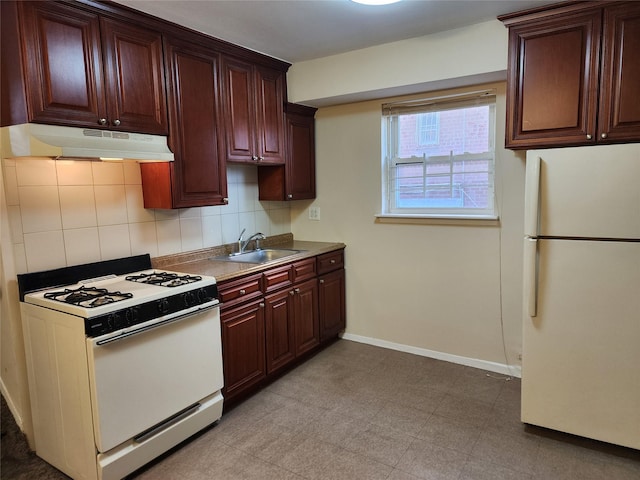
(254, 116)
(573, 75)
(296, 180)
(84, 69)
(197, 177)
(62, 56)
(134, 74)
(619, 113)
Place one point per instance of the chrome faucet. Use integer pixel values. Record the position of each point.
(242, 244)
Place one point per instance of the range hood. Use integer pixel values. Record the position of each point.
(74, 143)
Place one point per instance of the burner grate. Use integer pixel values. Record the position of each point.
(87, 296)
(164, 279)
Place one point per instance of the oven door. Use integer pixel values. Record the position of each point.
(148, 375)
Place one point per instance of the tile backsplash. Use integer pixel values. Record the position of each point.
(65, 212)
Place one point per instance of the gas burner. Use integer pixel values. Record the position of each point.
(87, 296)
(164, 279)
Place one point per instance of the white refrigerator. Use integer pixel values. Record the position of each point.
(581, 332)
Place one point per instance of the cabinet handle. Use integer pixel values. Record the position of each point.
(116, 122)
(603, 135)
(242, 291)
(289, 196)
(102, 121)
(588, 136)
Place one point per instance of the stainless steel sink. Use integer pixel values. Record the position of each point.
(258, 256)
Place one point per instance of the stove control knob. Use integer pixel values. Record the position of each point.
(163, 306)
(189, 299)
(115, 321)
(203, 297)
(131, 316)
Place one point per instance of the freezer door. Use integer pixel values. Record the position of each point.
(589, 192)
(581, 350)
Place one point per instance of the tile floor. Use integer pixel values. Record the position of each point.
(356, 411)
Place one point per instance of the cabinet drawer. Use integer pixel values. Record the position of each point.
(304, 269)
(277, 278)
(330, 261)
(237, 291)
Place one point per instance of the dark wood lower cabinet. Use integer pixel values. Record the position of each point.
(332, 304)
(274, 319)
(292, 327)
(305, 308)
(243, 348)
(279, 329)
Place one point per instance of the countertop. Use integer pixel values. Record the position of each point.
(200, 262)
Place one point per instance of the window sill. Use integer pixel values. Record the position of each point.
(460, 220)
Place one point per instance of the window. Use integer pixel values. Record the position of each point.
(428, 128)
(439, 157)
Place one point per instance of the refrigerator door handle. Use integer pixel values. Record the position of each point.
(532, 196)
(531, 276)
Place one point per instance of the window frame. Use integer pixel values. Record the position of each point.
(391, 162)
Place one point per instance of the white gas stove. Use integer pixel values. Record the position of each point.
(122, 366)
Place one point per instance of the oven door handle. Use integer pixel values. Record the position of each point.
(154, 325)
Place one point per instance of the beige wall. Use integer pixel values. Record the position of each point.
(454, 58)
(441, 290)
(449, 291)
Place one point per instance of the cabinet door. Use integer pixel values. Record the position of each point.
(553, 80)
(280, 337)
(239, 102)
(198, 174)
(332, 304)
(619, 115)
(307, 325)
(134, 75)
(301, 157)
(269, 116)
(64, 78)
(243, 352)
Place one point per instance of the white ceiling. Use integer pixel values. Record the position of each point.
(297, 30)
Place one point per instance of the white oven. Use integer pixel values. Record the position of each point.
(121, 370)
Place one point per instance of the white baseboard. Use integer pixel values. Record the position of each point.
(11, 405)
(501, 368)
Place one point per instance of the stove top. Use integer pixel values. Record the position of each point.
(165, 279)
(93, 297)
(88, 297)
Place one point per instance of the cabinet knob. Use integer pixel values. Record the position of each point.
(260, 159)
(292, 293)
(261, 304)
(254, 158)
(225, 200)
(297, 290)
(102, 121)
(603, 135)
(321, 281)
(116, 122)
(242, 291)
(332, 261)
(588, 136)
(289, 196)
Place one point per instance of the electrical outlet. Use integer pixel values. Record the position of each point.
(314, 213)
